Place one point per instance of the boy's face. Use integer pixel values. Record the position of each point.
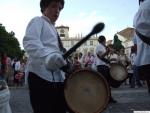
(53, 11)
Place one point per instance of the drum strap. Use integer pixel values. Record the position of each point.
(60, 44)
(61, 47)
(143, 38)
(104, 59)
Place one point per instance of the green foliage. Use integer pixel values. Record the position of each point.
(9, 44)
(117, 43)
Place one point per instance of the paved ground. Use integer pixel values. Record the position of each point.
(129, 100)
(19, 101)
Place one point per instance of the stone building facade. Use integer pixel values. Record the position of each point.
(68, 42)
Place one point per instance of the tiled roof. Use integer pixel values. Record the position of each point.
(127, 33)
(62, 27)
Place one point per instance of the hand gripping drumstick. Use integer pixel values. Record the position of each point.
(97, 28)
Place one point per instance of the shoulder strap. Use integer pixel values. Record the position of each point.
(61, 47)
(143, 38)
(103, 59)
(60, 44)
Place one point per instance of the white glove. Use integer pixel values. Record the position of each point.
(54, 61)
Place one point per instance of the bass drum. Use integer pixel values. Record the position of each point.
(118, 74)
(86, 91)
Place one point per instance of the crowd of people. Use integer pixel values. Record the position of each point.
(12, 70)
(89, 60)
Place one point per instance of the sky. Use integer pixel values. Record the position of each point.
(79, 15)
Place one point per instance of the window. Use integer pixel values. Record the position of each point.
(92, 50)
(72, 43)
(62, 35)
(85, 44)
(62, 31)
(91, 43)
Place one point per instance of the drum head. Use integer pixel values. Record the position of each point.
(118, 72)
(86, 91)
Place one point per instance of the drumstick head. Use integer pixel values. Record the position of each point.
(98, 28)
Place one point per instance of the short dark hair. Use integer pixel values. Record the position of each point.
(45, 3)
(101, 38)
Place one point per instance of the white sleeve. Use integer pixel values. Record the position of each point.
(142, 19)
(54, 61)
(17, 66)
(12, 62)
(99, 50)
(32, 42)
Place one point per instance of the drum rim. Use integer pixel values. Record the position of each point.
(102, 108)
(121, 66)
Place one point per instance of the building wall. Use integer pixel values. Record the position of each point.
(88, 46)
(127, 45)
(63, 31)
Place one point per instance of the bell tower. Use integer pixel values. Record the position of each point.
(63, 31)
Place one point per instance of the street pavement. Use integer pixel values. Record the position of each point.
(129, 100)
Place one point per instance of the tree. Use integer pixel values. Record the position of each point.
(117, 43)
(8, 43)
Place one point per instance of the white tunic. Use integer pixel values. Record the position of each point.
(41, 41)
(143, 52)
(100, 50)
(142, 24)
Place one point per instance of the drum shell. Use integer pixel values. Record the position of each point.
(114, 83)
(68, 82)
(115, 70)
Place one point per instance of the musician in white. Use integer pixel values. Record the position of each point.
(142, 27)
(44, 48)
(101, 61)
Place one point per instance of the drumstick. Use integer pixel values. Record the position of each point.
(97, 28)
